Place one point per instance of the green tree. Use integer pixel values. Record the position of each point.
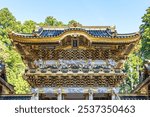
(145, 31)
(13, 62)
(72, 21)
(132, 67)
(28, 26)
(59, 23)
(50, 21)
(6, 18)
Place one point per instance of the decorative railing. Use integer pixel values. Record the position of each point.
(74, 70)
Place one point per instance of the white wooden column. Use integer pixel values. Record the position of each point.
(59, 94)
(35, 94)
(90, 94)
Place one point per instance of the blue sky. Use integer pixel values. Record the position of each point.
(125, 14)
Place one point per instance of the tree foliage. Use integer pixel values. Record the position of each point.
(145, 30)
(28, 26)
(72, 22)
(51, 21)
(13, 62)
(6, 18)
(132, 67)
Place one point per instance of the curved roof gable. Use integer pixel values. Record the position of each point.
(104, 34)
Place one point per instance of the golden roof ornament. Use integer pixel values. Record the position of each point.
(75, 25)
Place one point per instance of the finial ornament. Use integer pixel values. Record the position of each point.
(75, 25)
